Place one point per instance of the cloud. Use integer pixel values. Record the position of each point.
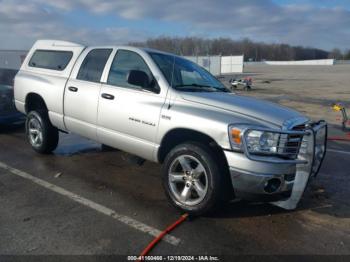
(298, 24)
(23, 22)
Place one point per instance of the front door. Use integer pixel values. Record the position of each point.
(128, 115)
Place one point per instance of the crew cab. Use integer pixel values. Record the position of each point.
(214, 144)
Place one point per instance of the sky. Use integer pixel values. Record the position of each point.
(323, 24)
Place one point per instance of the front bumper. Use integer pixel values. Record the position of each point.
(283, 180)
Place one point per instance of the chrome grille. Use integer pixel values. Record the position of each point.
(289, 144)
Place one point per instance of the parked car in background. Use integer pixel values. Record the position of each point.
(212, 143)
(245, 82)
(8, 112)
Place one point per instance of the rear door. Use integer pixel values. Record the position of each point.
(82, 92)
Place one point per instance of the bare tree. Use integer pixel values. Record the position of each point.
(347, 55)
(255, 51)
(336, 54)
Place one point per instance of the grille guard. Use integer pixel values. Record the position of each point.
(308, 161)
(316, 142)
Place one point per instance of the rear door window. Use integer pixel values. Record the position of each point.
(51, 59)
(92, 67)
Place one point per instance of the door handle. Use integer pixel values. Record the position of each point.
(107, 96)
(73, 89)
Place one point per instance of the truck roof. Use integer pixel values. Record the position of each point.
(47, 42)
(42, 44)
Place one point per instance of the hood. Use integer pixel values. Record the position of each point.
(258, 109)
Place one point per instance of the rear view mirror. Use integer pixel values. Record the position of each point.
(138, 78)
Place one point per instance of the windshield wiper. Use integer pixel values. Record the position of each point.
(198, 88)
(202, 88)
(191, 85)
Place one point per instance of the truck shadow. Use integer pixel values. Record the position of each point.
(312, 201)
(242, 208)
(10, 129)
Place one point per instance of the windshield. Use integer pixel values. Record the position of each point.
(185, 75)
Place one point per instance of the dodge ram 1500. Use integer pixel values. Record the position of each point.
(213, 143)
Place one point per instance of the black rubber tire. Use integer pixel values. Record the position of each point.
(205, 155)
(49, 132)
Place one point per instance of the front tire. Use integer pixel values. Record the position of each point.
(41, 134)
(192, 179)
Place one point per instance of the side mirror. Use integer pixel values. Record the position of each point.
(138, 78)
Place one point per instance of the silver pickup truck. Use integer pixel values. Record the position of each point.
(214, 144)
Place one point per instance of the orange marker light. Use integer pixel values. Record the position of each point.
(236, 135)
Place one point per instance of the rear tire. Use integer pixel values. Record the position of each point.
(192, 179)
(41, 134)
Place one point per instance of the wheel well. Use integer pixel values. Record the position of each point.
(181, 135)
(178, 136)
(34, 102)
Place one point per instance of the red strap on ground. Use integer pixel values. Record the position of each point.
(340, 138)
(161, 235)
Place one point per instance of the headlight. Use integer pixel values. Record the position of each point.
(257, 142)
(262, 141)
